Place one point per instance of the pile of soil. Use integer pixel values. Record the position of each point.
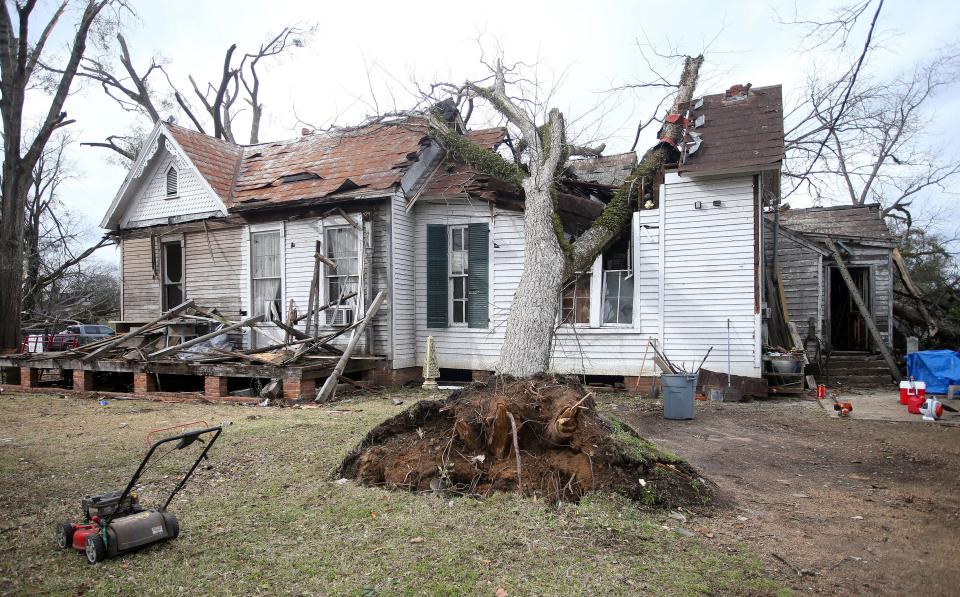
(467, 444)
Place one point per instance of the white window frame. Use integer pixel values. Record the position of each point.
(602, 286)
(465, 276)
(354, 307)
(254, 230)
(166, 182)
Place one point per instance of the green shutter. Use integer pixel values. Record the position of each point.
(478, 276)
(437, 316)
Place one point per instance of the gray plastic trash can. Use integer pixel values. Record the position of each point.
(678, 395)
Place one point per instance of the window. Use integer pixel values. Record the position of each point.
(459, 268)
(617, 268)
(172, 257)
(265, 256)
(172, 182)
(342, 245)
(575, 300)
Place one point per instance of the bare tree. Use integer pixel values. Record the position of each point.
(540, 154)
(20, 53)
(875, 151)
(136, 90)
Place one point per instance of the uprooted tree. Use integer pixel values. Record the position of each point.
(527, 430)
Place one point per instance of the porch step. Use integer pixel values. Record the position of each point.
(862, 381)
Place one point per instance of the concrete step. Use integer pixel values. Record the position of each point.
(858, 381)
(858, 368)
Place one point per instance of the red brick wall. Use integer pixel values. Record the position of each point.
(143, 383)
(215, 387)
(82, 380)
(294, 389)
(394, 377)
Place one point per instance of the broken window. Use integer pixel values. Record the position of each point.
(343, 247)
(173, 182)
(617, 267)
(265, 259)
(575, 300)
(459, 271)
(172, 253)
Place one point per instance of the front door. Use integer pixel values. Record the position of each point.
(848, 330)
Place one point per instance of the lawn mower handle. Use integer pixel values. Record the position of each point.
(186, 438)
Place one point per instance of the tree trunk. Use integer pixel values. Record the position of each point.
(15, 187)
(528, 339)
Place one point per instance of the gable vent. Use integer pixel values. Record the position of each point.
(172, 182)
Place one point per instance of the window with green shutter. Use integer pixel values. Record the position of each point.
(458, 270)
(437, 314)
(478, 275)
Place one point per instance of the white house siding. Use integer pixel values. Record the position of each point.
(402, 238)
(464, 347)
(707, 261)
(150, 203)
(709, 272)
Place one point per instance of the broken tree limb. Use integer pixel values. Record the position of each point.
(932, 327)
(864, 312)
(172, 312)
(331, 382)
(205, 337)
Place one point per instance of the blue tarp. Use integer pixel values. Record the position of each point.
(936, 368)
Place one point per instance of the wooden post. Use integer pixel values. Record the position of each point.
(331, 382)
(171, 313)
(205, 337)
(867, 317)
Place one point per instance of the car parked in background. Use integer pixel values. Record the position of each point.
(78, 334)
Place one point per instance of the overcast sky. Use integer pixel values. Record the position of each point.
(588, 46)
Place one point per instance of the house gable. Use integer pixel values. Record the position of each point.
(145, 198)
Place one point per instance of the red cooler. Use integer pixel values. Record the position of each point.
(911, 391)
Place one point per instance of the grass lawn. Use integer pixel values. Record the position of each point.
(266, 516)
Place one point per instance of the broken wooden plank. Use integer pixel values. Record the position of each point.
(179, 308)
(864, 312)
(205, 337)
(331, 382)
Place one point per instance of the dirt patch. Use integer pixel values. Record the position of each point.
(468, 444)
(837, 506)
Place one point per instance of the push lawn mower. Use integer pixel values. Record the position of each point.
(115, 523)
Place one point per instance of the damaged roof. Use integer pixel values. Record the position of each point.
(362, 162)
(845, 221)
(609, 170)
(742, 129)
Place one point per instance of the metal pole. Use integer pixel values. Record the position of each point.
(728, 352)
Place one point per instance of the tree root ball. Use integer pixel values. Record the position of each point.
(467, 444)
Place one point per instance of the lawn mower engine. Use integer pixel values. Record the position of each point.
(116, 523)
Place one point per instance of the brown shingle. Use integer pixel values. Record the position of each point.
(738, 133)
(214, 158)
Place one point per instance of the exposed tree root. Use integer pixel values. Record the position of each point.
(463, 445)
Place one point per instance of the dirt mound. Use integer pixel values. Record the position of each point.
(468, 444)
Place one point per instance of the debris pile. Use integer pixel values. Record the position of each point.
(540, 436)
(193, 334)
